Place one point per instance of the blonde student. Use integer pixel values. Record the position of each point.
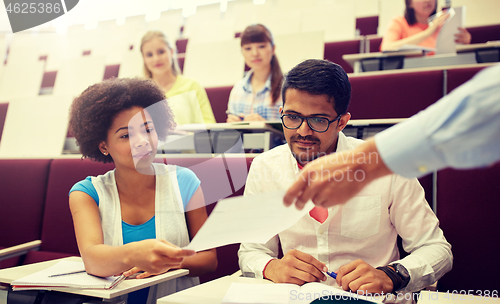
(160, 65)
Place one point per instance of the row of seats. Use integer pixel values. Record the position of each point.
(468, 208)
(42, 213)
(16, 84)
(374, 96)
(386, 95)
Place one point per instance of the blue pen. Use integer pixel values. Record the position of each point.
(332, 274)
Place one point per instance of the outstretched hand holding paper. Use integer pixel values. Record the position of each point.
(252, 219)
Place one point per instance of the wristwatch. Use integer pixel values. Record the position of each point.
(403, 273)
(395, 278)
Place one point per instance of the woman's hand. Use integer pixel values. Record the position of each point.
(254, 117)
(156, 256)
(438, 22)
(463, 36)
(234, 118)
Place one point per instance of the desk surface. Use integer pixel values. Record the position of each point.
(209, 293)
(261, 126)
(214, 291)
(10, 274)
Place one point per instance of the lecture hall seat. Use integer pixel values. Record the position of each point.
(394, 95)
(468, 210)
(3, 115)
(335, 50)
(219, 97)
(483, 34)
(57, 232)
(456, 77)
(367, 25)
(23, 185)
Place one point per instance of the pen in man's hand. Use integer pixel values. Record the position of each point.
(332, 274)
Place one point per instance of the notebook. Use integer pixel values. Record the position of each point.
(82, 280)
(242, 293)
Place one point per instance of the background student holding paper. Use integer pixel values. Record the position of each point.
(137, 216)
(414, 28)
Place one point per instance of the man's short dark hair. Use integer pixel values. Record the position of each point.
(320, 77)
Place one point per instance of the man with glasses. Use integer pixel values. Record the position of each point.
(358, 240)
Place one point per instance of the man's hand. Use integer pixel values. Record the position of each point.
(334, 179)
(360, 277)
(295, 267)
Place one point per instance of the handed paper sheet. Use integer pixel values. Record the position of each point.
(252, 219)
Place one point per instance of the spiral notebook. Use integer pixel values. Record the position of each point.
(82, 280)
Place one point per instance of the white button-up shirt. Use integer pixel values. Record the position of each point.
(366, 227)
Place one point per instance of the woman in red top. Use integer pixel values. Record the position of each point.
(415, 29)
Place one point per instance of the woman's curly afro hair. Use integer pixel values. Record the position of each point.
(92, 113)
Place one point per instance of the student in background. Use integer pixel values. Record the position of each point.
(160, 64)
(357, 240)
(137, 216)
(415, 29)
(257, 97)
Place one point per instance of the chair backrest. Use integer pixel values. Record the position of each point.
(394, 95)
(225, 66)
(468, 210)
(16, 83)
(335, 50)
(483, 34)
(58, 234)
(3, 114)
(23, 185)
(367, 25)
(76, 74)
(456, 77)
(219, 98)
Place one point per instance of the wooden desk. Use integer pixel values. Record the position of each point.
(484, 52)
(209, 293)
(223, 137)
(10, 274)
(391, 59)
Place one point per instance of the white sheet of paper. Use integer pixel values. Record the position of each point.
(252, 219)
(445, 43)
(240, 293)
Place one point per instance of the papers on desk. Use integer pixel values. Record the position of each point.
(239, 293)
(41, 280)
(252, 219)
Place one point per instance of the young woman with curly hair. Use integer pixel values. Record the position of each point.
(137, 216)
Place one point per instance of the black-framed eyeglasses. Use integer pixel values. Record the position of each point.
(318, 124)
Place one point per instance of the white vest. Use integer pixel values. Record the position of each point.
(170, 223)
